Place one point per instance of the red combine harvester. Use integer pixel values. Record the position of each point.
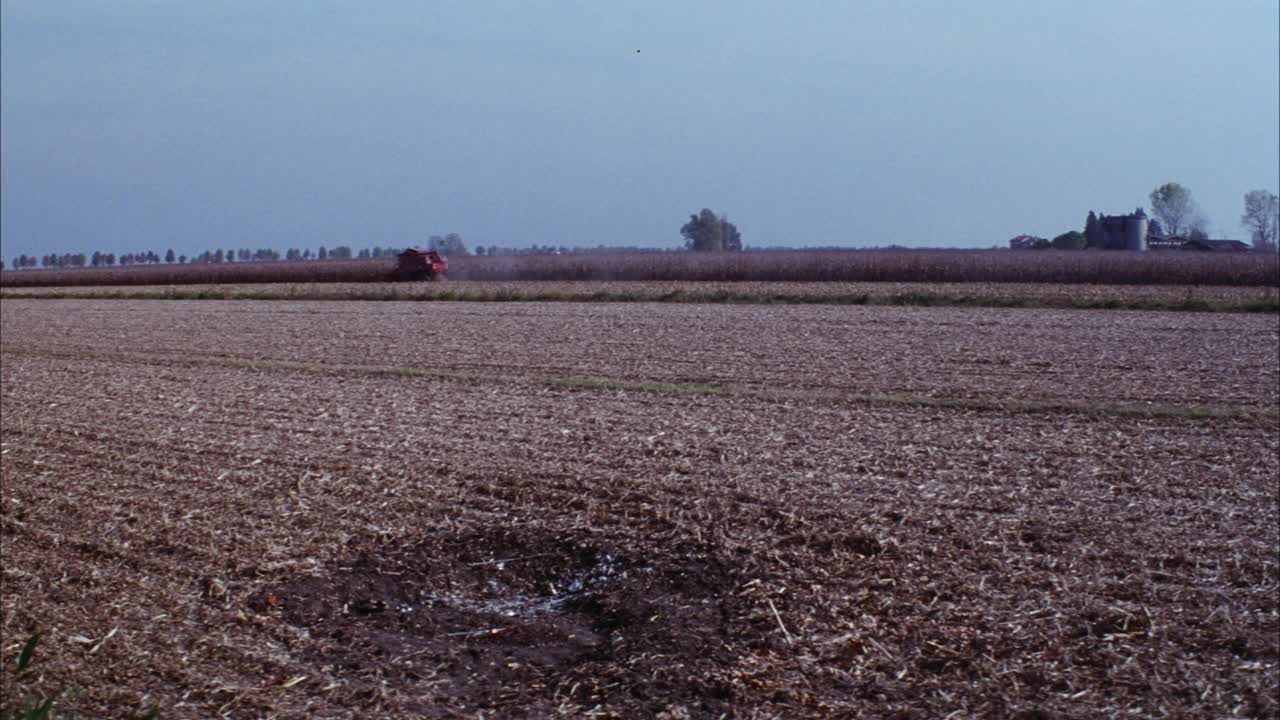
(414, 264)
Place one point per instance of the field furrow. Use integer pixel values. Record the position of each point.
(528, 510)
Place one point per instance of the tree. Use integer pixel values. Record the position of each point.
(732, 238)
(453, 245)
(169, 257)
(1174, 207)
(1262, 218)
(450, 244)
(1074, 240)
(704, 232)
(1092, 231)
(322, 253)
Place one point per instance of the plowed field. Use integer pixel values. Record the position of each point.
(334, 509)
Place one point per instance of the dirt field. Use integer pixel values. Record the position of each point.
(333, 509)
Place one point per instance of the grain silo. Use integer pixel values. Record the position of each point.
(1135, 231)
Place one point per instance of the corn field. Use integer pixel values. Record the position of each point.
(930, 266)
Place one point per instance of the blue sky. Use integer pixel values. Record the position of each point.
(145, 125)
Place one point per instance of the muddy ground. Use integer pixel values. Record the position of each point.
(279, 509)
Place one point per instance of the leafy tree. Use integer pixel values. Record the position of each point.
(1074, 240)
(169, 256)
(703, 232)
(732, 238)
(707, 232)
(1174, 207)
(453, 245)
(450, 244)
(322, 253)
(1262, 218)
(182, 259)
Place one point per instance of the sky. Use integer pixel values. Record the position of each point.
(138, 125)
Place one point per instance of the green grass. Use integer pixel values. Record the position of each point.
(26, 706)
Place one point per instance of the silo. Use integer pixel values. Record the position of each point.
(1135, 232)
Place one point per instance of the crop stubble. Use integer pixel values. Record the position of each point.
(396, 508)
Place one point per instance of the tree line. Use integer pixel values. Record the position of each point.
(704, 232)
(450, 244)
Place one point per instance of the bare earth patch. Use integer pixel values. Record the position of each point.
(308, 509)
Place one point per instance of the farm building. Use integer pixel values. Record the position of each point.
(1215, 245)
(1028, 242)
(1198, 244)
(1117, 232)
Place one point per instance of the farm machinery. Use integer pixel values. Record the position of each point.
(414, 264)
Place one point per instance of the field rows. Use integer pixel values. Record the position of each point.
(984, 354)
(1046, 295)
(317, 509)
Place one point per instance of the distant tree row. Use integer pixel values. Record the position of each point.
(99, 259)
(450, 244)
(67, 260)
